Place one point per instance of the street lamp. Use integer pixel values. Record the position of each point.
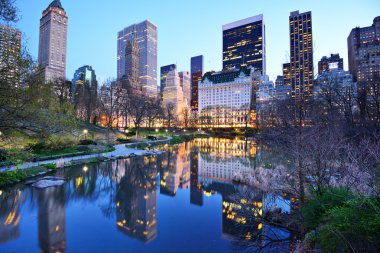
(157, 130)
(85, 168)
(85, 132)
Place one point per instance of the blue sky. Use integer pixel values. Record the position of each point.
(188, 28)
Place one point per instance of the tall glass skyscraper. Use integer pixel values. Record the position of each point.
(196, 76)
(164, 74)
(301, 54)
(244, 44)
(85, 91)
(146, 35)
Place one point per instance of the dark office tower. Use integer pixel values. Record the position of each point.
(146, 36)
(364, 65)
(279, 81)
(244, 44)
(132, 66)
(332, 62)
(196, 76)
(301, 54)
(84, 92)
(164, 74)
(286, 74)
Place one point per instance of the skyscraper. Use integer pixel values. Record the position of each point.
(10, 44)
(164, 74)
(132, 65)
(53, 42)
(363, 44)
(184, 78)
(145, 34)
(364, 65)
(301, 54)
(173, 92)
(196, 77)
(85, 91)
(286, 74)
(332, 62)
(244, 44)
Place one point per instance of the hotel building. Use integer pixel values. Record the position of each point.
(228, 98)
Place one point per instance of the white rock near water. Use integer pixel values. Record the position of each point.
(45, 183)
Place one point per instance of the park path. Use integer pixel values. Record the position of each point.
(120, 151)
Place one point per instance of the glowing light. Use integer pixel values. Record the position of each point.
(157, 130)
(166, 130)
(126, 131)
(85, 168)
(260, 226)
(1, 193)
(85, 131)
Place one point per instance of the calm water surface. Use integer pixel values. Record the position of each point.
(182, 201)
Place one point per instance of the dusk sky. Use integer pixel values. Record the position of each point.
(188, 28)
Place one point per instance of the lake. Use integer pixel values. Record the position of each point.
(182, 201)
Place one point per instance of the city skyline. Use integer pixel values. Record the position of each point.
(179, 49)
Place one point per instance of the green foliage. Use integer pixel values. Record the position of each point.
(87, 142)
(320, 203)
(177, 140)
(10, 177)
(94, 160)
(354, 227)
(50, 166)
(17, 156)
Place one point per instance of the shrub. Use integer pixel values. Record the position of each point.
(354, 226)
(88, 142)
(61, 141)
(3, 155)
(50, 166)
(124, 140)
(318, 205)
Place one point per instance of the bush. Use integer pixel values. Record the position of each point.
(124, 140)
(318, 205)
(3, 155)
(87, 142)
(61, 141)
(354, 226)
(50, 166)
(10, 177)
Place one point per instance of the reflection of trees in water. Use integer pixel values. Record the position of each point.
(254, 233)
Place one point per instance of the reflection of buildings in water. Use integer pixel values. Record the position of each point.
(136, 199)
(196, 192)
(9, 216)
(52, 219)
(221, 159)
(84, 181)
(175, 170)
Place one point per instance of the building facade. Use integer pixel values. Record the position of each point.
(196, 76)
(146, 35)
(10, 52)
(173, 93)
(53, 42)
(301, 54)
(85, 92)
(244, 44)
(364, 65)
(163, 75)
(132, 66)
(185, 83)
(286, 74)
(332, 62)
(228, 98)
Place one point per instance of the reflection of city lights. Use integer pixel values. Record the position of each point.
(57, 228)
(85, 168)
(207, 194)
(260, 226)
(1, 193)
(118, 204)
